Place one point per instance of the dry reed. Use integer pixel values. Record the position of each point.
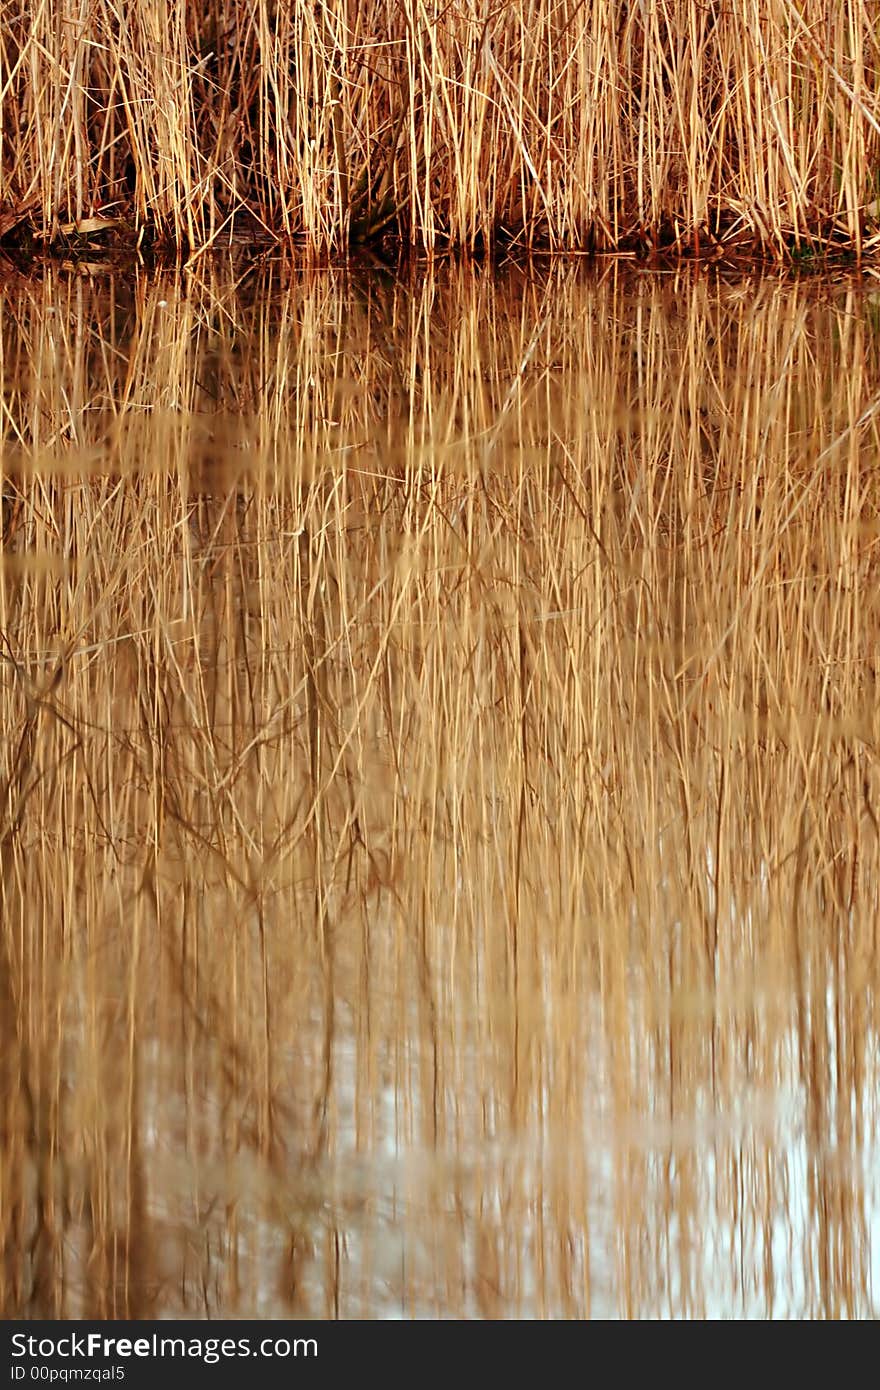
(439, 796)
(562, 123)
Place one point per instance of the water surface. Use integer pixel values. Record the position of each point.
(439, 794)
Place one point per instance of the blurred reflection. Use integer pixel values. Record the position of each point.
(438, 795)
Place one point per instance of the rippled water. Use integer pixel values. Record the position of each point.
(439, 833)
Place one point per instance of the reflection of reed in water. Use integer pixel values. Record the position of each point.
(439, 859)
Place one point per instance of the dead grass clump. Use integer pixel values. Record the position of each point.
(538, 122)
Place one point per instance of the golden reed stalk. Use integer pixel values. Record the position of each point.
(578, 124)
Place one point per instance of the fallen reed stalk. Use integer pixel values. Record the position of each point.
(570, 124)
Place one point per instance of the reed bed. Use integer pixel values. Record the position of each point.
(439, 854)
(703, 125)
